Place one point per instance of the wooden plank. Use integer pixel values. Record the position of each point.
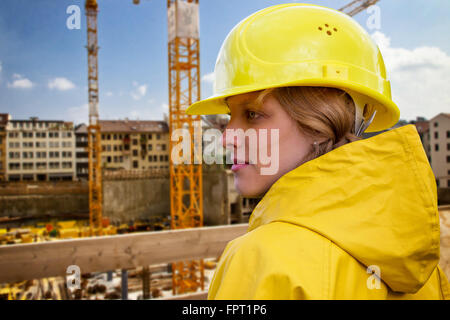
(201, 295)
(45, 259)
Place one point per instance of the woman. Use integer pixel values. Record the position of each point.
(341, 217)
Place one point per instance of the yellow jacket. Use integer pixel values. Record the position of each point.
(370, 204)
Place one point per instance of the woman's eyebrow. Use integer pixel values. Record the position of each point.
(249, 103)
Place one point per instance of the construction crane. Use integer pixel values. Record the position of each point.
(186, 194)
(94, 142)
(357, 6)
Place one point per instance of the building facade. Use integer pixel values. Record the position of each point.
(127, 145)
(4, 118)
(40, 150)
(439, 134)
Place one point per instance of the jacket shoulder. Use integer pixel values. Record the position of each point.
(277, 260)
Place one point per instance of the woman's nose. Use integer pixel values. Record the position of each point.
(228, 138)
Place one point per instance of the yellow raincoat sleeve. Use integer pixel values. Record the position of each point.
(272, 262)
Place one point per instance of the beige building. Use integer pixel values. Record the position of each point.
(40, 150)
(439, 131)
(4, 118)
(127, 144)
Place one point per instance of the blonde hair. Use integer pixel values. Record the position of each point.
(325, 114)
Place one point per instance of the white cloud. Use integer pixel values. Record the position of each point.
(209, 77)
(139, 92)
(61, 84)
(20, 82)
(109, 94)
(419, 78)
(79, 114)
(153, 113)
(1, 67)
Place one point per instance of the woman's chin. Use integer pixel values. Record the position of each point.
(247, 188)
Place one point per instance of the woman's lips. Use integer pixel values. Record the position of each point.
(236, 167)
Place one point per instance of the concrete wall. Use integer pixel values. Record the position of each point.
(137, 199)
(124, 200)
(38, 199)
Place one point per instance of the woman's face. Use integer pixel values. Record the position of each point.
(285, 151)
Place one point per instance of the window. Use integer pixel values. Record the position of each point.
(66, 144)
(27, 144)
(150, 147)
(149, 136)
(150, 158)
(115, 136)
(108, 159)
(27, 134)
(436, 135)
(14, 166)
(135, 164)
(54, 165)
(163, 146)
(135, 153)
(40, 144)
(53, 144)
(166, 157)
(448, 159)
(108, 137)
(448, 146)
(155, 158)
(135, 142)
(27, 166)
(435, 124)
(436, 147)
(14, 155)
(27, 155)
(121, 159)
(13, 134)
(158, 136)
(161, 158)
(67, 165)
(41, 165)
(108, 147)
(53, 134)
(448, 134)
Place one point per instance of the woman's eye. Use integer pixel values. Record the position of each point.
(252, 115)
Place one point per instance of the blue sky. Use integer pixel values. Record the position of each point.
(43, 64)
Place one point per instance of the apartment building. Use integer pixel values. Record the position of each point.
(40, 150)
(439, 130)
(422, 126)
(127, 144)
(4, 118)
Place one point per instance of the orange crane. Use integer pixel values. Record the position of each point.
(94, 142)
(186, 194)
(184, 89)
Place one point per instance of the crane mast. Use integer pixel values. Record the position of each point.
(94, 143)
(186, 196)
(357, 6)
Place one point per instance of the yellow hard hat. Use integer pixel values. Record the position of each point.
(301, 45)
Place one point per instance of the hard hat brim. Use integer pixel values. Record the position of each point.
(388, 113)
